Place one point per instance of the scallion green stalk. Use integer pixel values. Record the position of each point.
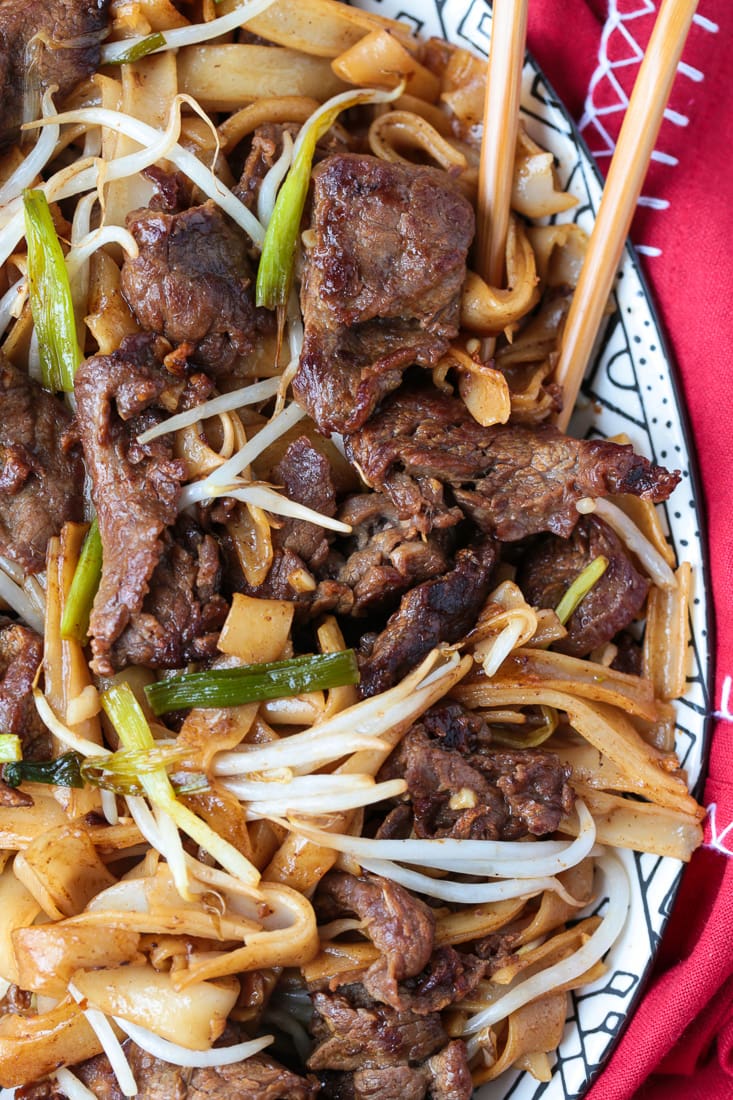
(83, 588)
(64, 771)
(131, 726)
(121, 771)
(10, 748)
(275, 272)
(141, 49)
(231, 687)
(580, 588)
(50, 296)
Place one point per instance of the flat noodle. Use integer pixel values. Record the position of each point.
(530, 667)
(396, 130)
(285, 108)
(109, 317)
(320, 27)
(537, 1027)
(222, 78)
(380, 59)
(666, 641)
(488, 310)
(641, 826)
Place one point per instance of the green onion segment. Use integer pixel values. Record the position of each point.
(83, 588)
(121, 772)
(141, 49)
(64, 771)
(580, 588)
(231, 687)
(50, 296)
(275, 272)
(131, 726)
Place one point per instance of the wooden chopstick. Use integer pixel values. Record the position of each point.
(620, 195)
(501, 119)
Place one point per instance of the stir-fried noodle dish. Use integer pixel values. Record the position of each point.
(333, 675)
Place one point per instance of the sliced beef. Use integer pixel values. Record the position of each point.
(361, 574)
(265, 150)
(183, 612)
(135, 487)
(192, 283)
(390, 1083)
(512, 481)
(41, 472)
(384, 556)
(485, 795)
(21, 650)
(381, 285)
(257, 1078)
(450, 1073)
(449, 976)
(305, 474)
(53, 42)
(301, 549)
(550, 567)
(629, 657)
(355, 1038)
(439, 610)
(399, 924)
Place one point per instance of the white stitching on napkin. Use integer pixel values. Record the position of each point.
(717, 840)
(725, 712)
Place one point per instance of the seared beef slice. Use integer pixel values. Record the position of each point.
(510, 480)
(135, 488)
(191, 283)
(21, 650)
(505, 794)
(442, 609)
(257, 1078)
(51, 42)
(382, 282)
(41, 473)
(613, 602)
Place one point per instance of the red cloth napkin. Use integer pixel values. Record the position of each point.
(679, 1043)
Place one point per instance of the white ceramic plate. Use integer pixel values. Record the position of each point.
(632, 389)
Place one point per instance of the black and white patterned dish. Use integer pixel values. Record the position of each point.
(631, 389)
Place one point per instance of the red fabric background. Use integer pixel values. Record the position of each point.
(680, 1042)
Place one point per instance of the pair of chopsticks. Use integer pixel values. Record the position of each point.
(623, 184)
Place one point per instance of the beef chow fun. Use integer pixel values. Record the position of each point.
(333, 675)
